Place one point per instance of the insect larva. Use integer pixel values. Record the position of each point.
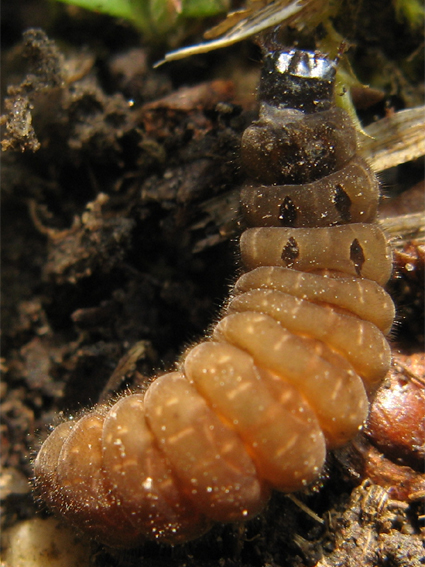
(287, 371)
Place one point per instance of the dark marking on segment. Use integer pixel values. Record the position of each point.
(357, 256)
(342, 203)
(288, 212)
(290, 252)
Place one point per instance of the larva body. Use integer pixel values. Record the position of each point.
(287, 371)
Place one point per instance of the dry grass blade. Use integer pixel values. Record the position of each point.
(246, 23)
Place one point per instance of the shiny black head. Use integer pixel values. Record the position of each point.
(303, 80)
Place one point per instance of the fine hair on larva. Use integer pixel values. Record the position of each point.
(288, 371)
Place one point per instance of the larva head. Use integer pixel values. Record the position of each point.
(299, 136)
(301, 80)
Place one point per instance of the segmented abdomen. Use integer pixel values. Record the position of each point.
(286, 372)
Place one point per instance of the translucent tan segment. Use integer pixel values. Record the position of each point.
(336, 393)
(142, 479)
(361, 342)
(87, 499)
(81, 452)
(280, 431)
(355, 249)
(208, 457)
(348, 195)
(46, 463)
(364, 298)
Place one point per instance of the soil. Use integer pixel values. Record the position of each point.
(119, 226)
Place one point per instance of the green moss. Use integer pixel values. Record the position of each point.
(412, 11)
(153, 17)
